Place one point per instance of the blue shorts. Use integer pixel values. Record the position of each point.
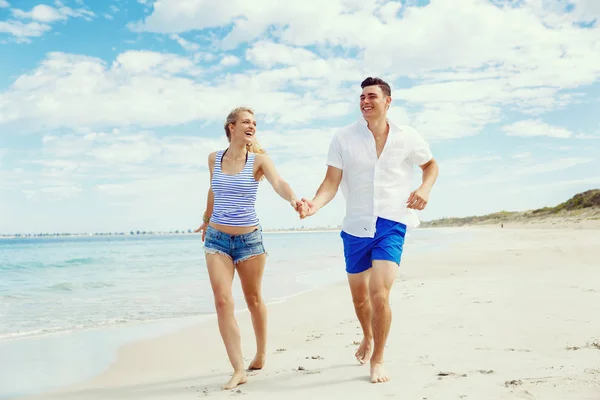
(237, 247)
(387, 245)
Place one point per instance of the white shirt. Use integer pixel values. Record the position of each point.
(377, 187)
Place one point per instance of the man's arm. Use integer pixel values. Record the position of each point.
(326, 192)
(419, 198)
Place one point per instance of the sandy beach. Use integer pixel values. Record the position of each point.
(510, 314)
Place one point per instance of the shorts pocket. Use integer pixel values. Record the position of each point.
(253, 238)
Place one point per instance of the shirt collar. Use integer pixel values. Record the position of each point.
(393, 127)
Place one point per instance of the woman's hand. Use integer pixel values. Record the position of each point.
(203, 229)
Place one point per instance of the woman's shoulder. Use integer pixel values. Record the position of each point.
(261, 157)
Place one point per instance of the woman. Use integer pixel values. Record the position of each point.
(232, 234)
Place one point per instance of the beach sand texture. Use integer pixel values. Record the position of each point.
(510, 314)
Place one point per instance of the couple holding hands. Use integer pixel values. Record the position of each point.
(372, 160)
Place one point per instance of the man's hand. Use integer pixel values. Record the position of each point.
(300, 207)
(306, 208)
(203, 229)
(418, 199)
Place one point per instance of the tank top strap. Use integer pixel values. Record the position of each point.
(218, 158)
(250, 164)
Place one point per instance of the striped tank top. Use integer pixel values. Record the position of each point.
(235, 195)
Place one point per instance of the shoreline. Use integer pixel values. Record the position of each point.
(441, 338)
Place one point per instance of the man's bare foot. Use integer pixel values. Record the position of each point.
(364, 352)
(378, 374)
(257, 363)
(238, 378)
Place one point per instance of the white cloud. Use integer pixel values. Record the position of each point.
(586, 10)
(60, 192)
(185, 44)
(461, 165)
(23, 31)
(4, 4)
(522, 155)
(48, 14)
(144, 62)
(41, 13)
(555, 165)
(530, 128)
(41, 16)
(229, 61)
(587, 136)
(266, 54)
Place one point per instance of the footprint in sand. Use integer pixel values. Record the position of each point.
(514, 382)
(486, 371)
(443, 374)
(306, 371)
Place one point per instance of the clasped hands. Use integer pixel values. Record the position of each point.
(303, 207)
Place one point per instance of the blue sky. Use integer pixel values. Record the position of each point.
(108, 111)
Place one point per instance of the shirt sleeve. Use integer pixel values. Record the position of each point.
(334, 157)
(421, 153)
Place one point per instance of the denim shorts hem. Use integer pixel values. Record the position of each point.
(211, 250)
(249, 256)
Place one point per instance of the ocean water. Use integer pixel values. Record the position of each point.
(68, 303)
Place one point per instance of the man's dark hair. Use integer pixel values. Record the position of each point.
(383, 85)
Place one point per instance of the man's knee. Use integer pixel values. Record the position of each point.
(361, 300)
(380, 298)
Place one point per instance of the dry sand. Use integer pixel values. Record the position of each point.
(512, 314)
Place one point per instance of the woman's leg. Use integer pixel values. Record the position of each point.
(221, 271)
(251, 273)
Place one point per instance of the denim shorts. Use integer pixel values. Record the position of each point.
(237, 247)
(387, 245)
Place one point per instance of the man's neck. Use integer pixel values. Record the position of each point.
(378, 126)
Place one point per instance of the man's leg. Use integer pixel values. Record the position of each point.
(357, 254)
(359, 287)
(382, 277)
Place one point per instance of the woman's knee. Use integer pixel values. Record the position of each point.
(223, 302)
(253, 301)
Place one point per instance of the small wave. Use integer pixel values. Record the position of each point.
(22, 265)
(71, 286)
(80, 260)
(59, 329)
(98, 325)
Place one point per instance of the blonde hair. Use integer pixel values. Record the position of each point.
(232, 118)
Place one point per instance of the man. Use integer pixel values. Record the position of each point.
(374, 159)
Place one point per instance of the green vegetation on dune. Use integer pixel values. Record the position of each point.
(584, 205)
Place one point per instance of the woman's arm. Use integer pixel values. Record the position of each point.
(210, 198)
(281, 187)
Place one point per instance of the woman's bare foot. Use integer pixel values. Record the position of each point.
(238, 378)
(257, 363)
(364, 352)
(378, 374)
